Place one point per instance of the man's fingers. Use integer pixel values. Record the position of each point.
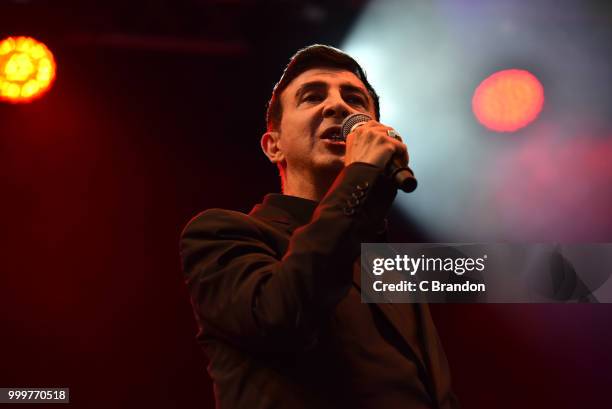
(402, 152)
(375, 143)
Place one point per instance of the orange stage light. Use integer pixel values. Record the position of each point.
(27, 69)
(508, 100)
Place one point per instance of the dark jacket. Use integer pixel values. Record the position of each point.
(277, 299)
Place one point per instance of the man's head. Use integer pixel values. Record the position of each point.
(314, 56)
(320, 86)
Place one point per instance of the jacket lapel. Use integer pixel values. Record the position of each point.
(435, 358)
(426, 357)
(394, 314)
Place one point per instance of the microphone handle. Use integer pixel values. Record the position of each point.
(402, 175)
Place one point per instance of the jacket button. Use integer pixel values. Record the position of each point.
(353, 202)
(349, 211)
(363, 186)
(359, 194)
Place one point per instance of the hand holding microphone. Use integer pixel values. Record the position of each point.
(383, 152)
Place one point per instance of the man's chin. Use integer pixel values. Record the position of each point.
(331, 167)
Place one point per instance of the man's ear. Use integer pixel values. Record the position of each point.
(270, 144)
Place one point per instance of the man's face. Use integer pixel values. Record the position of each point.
(314, 105)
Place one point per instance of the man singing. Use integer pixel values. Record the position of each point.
(276, 293)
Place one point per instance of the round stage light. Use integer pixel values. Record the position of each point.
(27, 69)
(508, 100)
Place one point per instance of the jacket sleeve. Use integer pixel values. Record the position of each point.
(250, 296)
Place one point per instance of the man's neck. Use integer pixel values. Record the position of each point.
(312, 187)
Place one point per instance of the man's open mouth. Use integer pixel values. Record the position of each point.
(333, 134)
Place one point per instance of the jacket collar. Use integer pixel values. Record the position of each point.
(289, 210)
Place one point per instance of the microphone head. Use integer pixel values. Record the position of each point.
(351, 121)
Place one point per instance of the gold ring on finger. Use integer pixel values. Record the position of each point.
(393, 134)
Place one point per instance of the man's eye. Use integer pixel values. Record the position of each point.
(312, 97)
(355, 99)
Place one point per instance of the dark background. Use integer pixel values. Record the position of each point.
(155, 115)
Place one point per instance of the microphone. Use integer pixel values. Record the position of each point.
(402, 175)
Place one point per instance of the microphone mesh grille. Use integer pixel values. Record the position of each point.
(352, 120)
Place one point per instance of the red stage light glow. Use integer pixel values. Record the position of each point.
(508, 100)
(27, 69)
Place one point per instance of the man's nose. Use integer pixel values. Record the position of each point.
(336, 107)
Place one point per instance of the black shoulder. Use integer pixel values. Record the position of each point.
(218, 222)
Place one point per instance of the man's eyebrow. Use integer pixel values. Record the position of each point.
(308, 86)
(354, 88)
(346, 87)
